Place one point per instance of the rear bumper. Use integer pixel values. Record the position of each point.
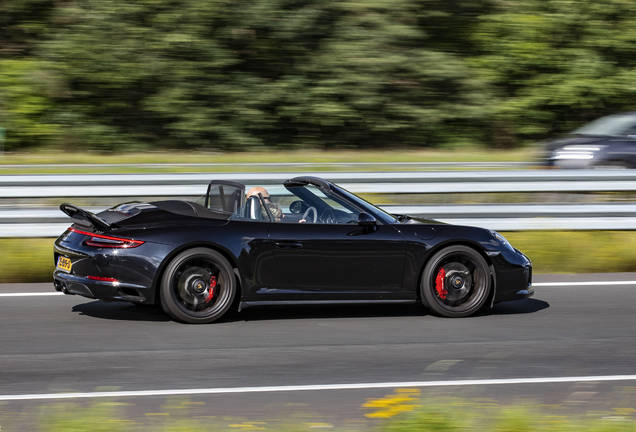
(126, 274)
(107, 291)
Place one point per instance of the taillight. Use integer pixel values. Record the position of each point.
(98, 240)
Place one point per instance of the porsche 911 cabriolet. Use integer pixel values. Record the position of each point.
(307, 241)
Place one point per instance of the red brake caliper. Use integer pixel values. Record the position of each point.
(211, 289)
(439, 284)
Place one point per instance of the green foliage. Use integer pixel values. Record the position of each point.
(238, 75)
(141, 73)
(378, 80)
(279, 73)
(557, 63)
(441, 414)
(431, 418)
(25, 106)
(22, 24)
(517, 419)
(99, 417)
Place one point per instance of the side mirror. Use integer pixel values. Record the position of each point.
(365, 220)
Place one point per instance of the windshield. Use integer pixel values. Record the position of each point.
(620, 124)
(300, 203)
(375, 211)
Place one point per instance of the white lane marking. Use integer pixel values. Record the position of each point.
(268, 389)
(584, 283)
(31, 294)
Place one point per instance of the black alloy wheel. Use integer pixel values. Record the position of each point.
(455, 282)
(198, 286)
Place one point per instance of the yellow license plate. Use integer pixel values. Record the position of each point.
(64, 263)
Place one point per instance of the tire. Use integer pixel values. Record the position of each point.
(455, 282)
(198, 286)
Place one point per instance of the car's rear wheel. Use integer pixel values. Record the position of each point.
(198, 286)
(455, 282)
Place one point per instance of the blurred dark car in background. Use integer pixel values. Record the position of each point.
(607, 143)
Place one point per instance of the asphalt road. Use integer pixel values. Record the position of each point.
(57, 344)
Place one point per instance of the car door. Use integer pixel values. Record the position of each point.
(339, 257)
(260, 272)
(325, 250)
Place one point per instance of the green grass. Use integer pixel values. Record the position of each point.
(577, 251)
(461, 415)
(443, 414)
(231, 159)
(31, 259)
(26, 260)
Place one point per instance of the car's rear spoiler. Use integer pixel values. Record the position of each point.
(85, 218)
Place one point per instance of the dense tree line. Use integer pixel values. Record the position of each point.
(235, 74)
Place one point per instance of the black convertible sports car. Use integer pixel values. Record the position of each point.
(307, 241)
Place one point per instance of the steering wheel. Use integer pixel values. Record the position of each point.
(328, 217)
(309, 210)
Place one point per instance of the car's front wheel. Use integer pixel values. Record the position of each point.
(455, 282)
(198, 286)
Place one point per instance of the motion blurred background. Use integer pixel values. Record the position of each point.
(288, 74)
(387, 82)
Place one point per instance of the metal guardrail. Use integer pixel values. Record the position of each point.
(121, 185)
(50, 222)
(46, 222)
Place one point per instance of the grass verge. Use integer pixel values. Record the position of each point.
(439, 414)
(36, 162)
(31, 259)
(577, 251)
(26, 260)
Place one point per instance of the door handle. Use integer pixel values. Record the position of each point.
(289, 245)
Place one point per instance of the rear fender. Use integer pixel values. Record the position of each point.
(176, 251)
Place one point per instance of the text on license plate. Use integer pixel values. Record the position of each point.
(64, 263)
